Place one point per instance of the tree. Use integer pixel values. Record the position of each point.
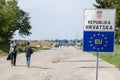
(111, 4)
(12, 18)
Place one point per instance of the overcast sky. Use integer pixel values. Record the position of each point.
(55, 19)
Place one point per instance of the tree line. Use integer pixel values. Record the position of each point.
(111, 4)
(12, 19)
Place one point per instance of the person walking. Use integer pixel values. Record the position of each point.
(13, 52)
(28, 51)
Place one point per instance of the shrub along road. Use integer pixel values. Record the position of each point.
(58, 64)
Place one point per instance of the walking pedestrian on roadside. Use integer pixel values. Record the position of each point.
(28, 51)
(13, 52)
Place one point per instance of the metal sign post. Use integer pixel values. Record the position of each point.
(97, 55)
(99, 26)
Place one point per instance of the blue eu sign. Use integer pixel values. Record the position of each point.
(98, 41)
(99, 30)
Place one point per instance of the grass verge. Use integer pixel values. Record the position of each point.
(113, 58)
(79, 47)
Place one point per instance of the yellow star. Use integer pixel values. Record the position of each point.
(91, 37)
(90, 41)
(105, 45)
(106, 41)
(98, 48)
(98, 34)
(102, 48)
(91, 45)
(102, 35)
(105, 37)
(94, 35)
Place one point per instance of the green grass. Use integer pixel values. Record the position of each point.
(79, 47)
(113, 58)
(39, 48)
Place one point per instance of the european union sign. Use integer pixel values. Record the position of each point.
(98, 41)
(99, 30)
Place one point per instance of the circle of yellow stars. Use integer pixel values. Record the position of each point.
(103, 37)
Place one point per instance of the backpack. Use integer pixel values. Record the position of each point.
(15, 47)
(28, 50)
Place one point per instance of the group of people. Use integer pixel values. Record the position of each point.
(14, 49)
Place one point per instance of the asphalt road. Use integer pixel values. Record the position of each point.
(58, 64)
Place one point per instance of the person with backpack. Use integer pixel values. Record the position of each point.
(28, 51)
(13, 52)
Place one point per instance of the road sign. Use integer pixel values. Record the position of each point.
(99, 28)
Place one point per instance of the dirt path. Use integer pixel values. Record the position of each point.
(58, 64)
